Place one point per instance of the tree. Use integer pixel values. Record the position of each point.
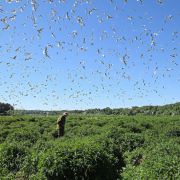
(107, 110)
(5, 108)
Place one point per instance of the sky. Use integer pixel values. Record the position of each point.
(83, 54)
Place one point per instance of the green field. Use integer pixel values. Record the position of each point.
(94, 147)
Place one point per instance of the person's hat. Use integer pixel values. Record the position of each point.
(65, 113)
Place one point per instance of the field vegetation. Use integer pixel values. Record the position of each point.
(94, 147)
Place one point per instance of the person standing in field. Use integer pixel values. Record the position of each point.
(61, 124)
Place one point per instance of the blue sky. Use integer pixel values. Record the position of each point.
(89, 54)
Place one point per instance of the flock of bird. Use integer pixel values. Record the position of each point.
(54, 51)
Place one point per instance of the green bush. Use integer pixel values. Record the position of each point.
(12, 156)
(125, 141)
(3, 135)
(78, 160)
(158, 161)
(25, 135)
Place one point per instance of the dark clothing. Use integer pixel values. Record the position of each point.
(61, 132)
(60, 125)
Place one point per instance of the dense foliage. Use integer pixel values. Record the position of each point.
(170, 109)
(5, 108)
(94, 147)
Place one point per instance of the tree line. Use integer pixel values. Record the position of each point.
(169, 109)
